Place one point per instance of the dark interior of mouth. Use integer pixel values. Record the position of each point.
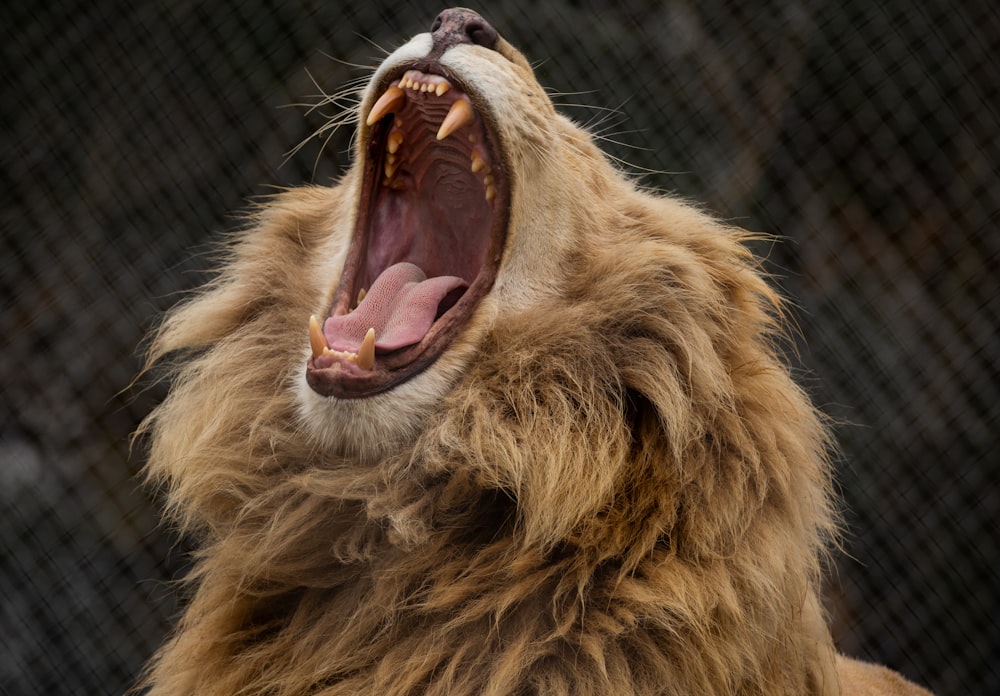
(427, 242)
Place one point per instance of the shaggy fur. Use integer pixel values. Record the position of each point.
(608, 484)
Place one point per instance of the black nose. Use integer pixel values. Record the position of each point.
(461, 26)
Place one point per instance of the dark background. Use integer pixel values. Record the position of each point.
(866, 134)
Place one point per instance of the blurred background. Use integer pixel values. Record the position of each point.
(864, 133)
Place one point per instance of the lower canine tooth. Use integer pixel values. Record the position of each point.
(316, 339)
(366, 353)
(459, 114)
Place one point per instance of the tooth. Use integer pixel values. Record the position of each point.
(390, 101)
(459, 114)
(491, 192)
(390, 168)
(441, 88)
(316, 339)
(425, 87)
(411, 79)
(366, 353)
(361, 296)
(478, 163)
(395, 140)
(488, 180)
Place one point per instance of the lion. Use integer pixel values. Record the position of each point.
(484, 417)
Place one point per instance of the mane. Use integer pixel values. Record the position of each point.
(603, 479)
(624, 491)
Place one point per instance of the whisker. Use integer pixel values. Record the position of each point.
(358, 66)
(347, 99)
(322, 147)
(345, 117)
(622, 143)
(373, 43)
(555, 94)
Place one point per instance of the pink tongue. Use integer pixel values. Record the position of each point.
(401, 306)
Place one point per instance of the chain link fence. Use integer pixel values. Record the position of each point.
(865, 133)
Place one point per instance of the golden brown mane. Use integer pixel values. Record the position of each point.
(609, 483)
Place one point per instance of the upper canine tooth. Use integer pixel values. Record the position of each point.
(316, 339)
(389, 102)
(459, 114)
(366, 353)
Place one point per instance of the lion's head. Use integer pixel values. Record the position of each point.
(485, 417)
(466, 191)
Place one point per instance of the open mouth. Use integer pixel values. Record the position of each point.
(432, 220)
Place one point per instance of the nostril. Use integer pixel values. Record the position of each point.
(460, 26)
(481, 33)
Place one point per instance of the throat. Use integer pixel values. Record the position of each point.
(429, 224)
